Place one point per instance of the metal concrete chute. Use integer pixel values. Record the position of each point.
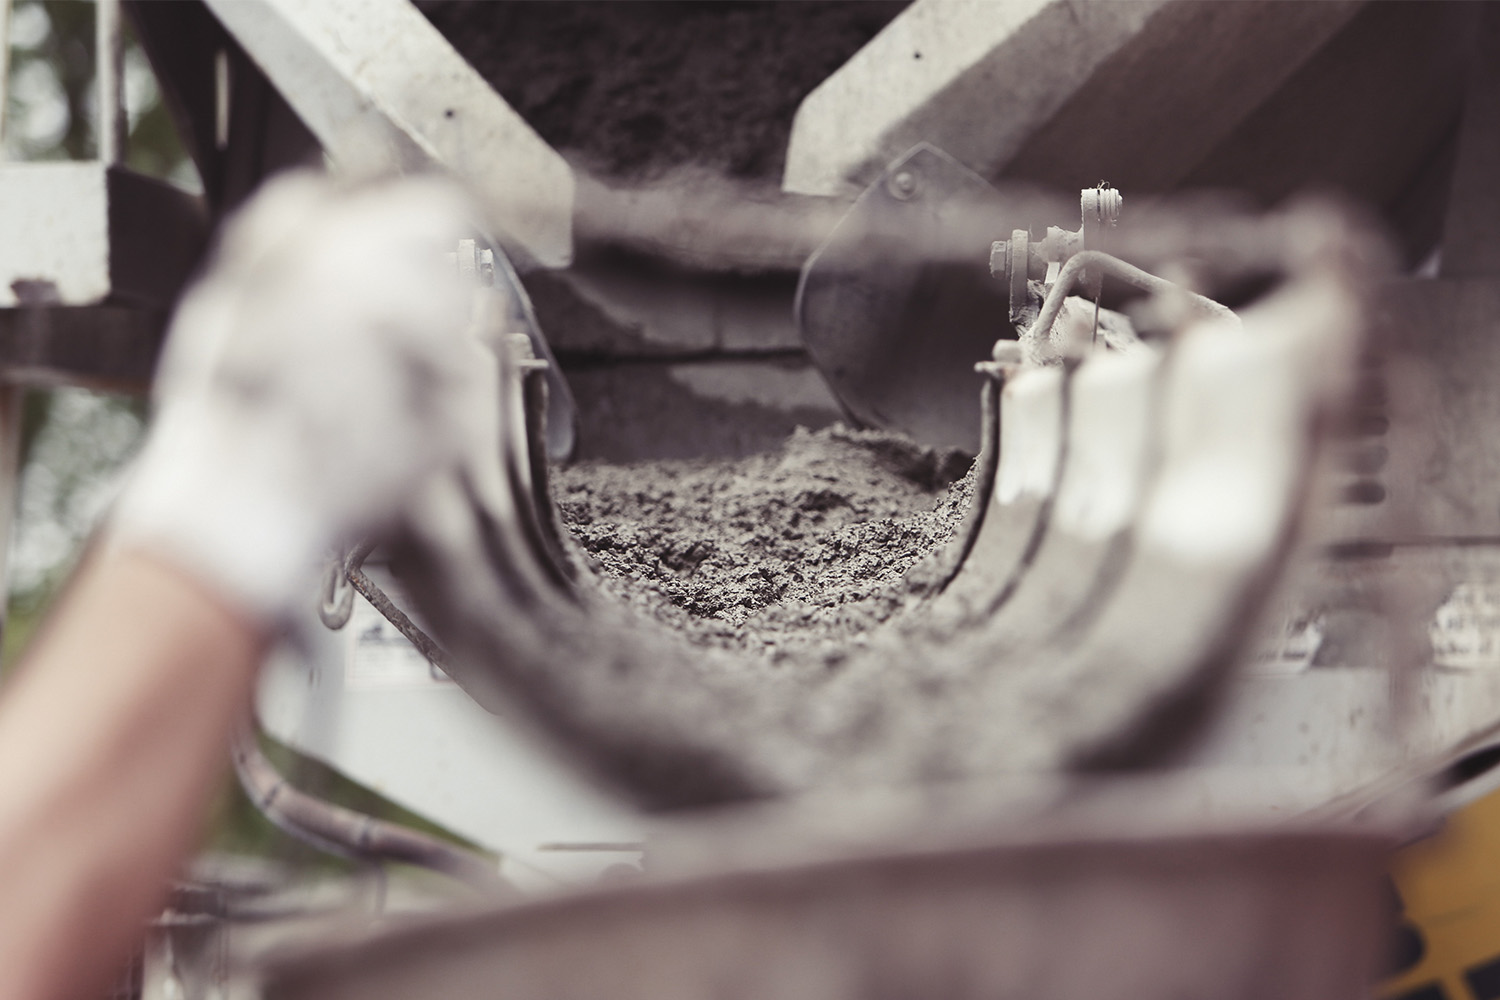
(1065, 642)
(999, 788)
(1056, 913)
(382, 89)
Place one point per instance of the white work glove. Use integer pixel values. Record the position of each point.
(320, 371)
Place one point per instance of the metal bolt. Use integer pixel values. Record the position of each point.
(1000, 259)
(903, 185)
(467, 258)
(1020, 259)
(1101, 206)
(1110, 204)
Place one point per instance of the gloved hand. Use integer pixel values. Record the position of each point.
(320, 371)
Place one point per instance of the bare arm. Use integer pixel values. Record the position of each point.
(311, 381)
(113, 738)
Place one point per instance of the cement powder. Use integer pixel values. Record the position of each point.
(800, 548)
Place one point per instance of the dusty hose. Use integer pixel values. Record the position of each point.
(346, 832)
(1115, 268)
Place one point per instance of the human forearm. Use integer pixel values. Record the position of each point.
(112, 740)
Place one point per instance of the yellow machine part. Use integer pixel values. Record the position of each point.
(1448, 888)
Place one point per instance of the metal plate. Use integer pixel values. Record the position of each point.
(1288, 914)
(897, 307)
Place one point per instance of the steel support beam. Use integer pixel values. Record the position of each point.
(80, 233)
(382, 90)
(104, 346)
(984, 79)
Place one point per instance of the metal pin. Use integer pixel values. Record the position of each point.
(108, 72)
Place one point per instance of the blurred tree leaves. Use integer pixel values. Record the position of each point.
(51, 103)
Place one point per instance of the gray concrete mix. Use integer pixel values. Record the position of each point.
(801, 547)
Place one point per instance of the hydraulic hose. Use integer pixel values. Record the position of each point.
(348, 833)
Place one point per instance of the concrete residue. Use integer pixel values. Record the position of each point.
(632, 88)
(803, 546)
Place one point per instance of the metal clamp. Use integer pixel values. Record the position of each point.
(1020, 259)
